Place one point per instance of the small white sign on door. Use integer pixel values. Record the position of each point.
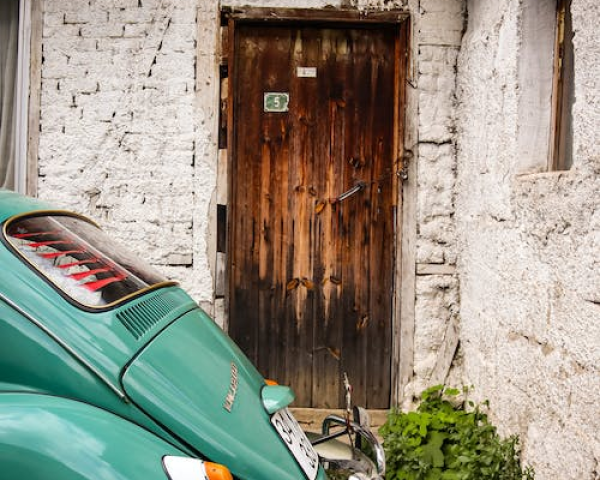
(306, 72)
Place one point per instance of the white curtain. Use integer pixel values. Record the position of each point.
(9, 31)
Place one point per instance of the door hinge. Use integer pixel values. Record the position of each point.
(403, 172)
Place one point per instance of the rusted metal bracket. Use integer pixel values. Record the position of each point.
(403, 172)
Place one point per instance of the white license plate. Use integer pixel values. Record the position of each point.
(297, 442)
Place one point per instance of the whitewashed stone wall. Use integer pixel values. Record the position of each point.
(529, 243)
(124, 137)
(439, 27)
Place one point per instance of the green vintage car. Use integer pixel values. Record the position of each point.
(110, 371)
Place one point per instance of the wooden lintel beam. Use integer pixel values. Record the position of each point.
(287, 15)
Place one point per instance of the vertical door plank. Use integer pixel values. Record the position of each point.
(239, 255)
(327, 388)
(272, 77)
(379, 347)
(268, 327)
(301, 322)
(280, 269)
(352, 356)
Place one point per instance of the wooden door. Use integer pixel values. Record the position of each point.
(313, 211)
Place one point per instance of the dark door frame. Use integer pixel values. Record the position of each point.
(402, 321)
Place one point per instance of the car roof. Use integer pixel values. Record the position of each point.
(12, 204)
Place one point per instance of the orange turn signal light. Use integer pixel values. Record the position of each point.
(270, 382)
(216, 471)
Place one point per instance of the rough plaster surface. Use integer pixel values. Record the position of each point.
(437, 304)
(123, 136)
(438, 28)
(529, 263)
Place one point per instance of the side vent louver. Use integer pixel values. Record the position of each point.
(140, 318)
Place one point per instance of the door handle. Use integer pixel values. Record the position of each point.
(347, 194)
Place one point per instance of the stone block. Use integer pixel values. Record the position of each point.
(436, 109)
(137, 29)
(60, 6)
(104, 60)
(102, 30)
(86, 16)
(430, 252)
(438, 82)
(53, 19)
(192, 16)
(68, 43)
(134, 15)
(62, 30)
(438, 60)
(436, 305)
(75, 82)
(64, 73)
(441, 28)
(450, 7)
(132, 46)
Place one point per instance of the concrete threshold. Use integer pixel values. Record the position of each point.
(310, 419)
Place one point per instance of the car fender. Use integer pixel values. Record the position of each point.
(44, 437)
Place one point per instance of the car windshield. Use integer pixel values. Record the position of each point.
(80, 259)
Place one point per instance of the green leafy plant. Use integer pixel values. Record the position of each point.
(448, 440)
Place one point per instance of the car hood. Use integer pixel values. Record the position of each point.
(196, 382)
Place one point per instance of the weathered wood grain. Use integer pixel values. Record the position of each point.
(311, 276)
